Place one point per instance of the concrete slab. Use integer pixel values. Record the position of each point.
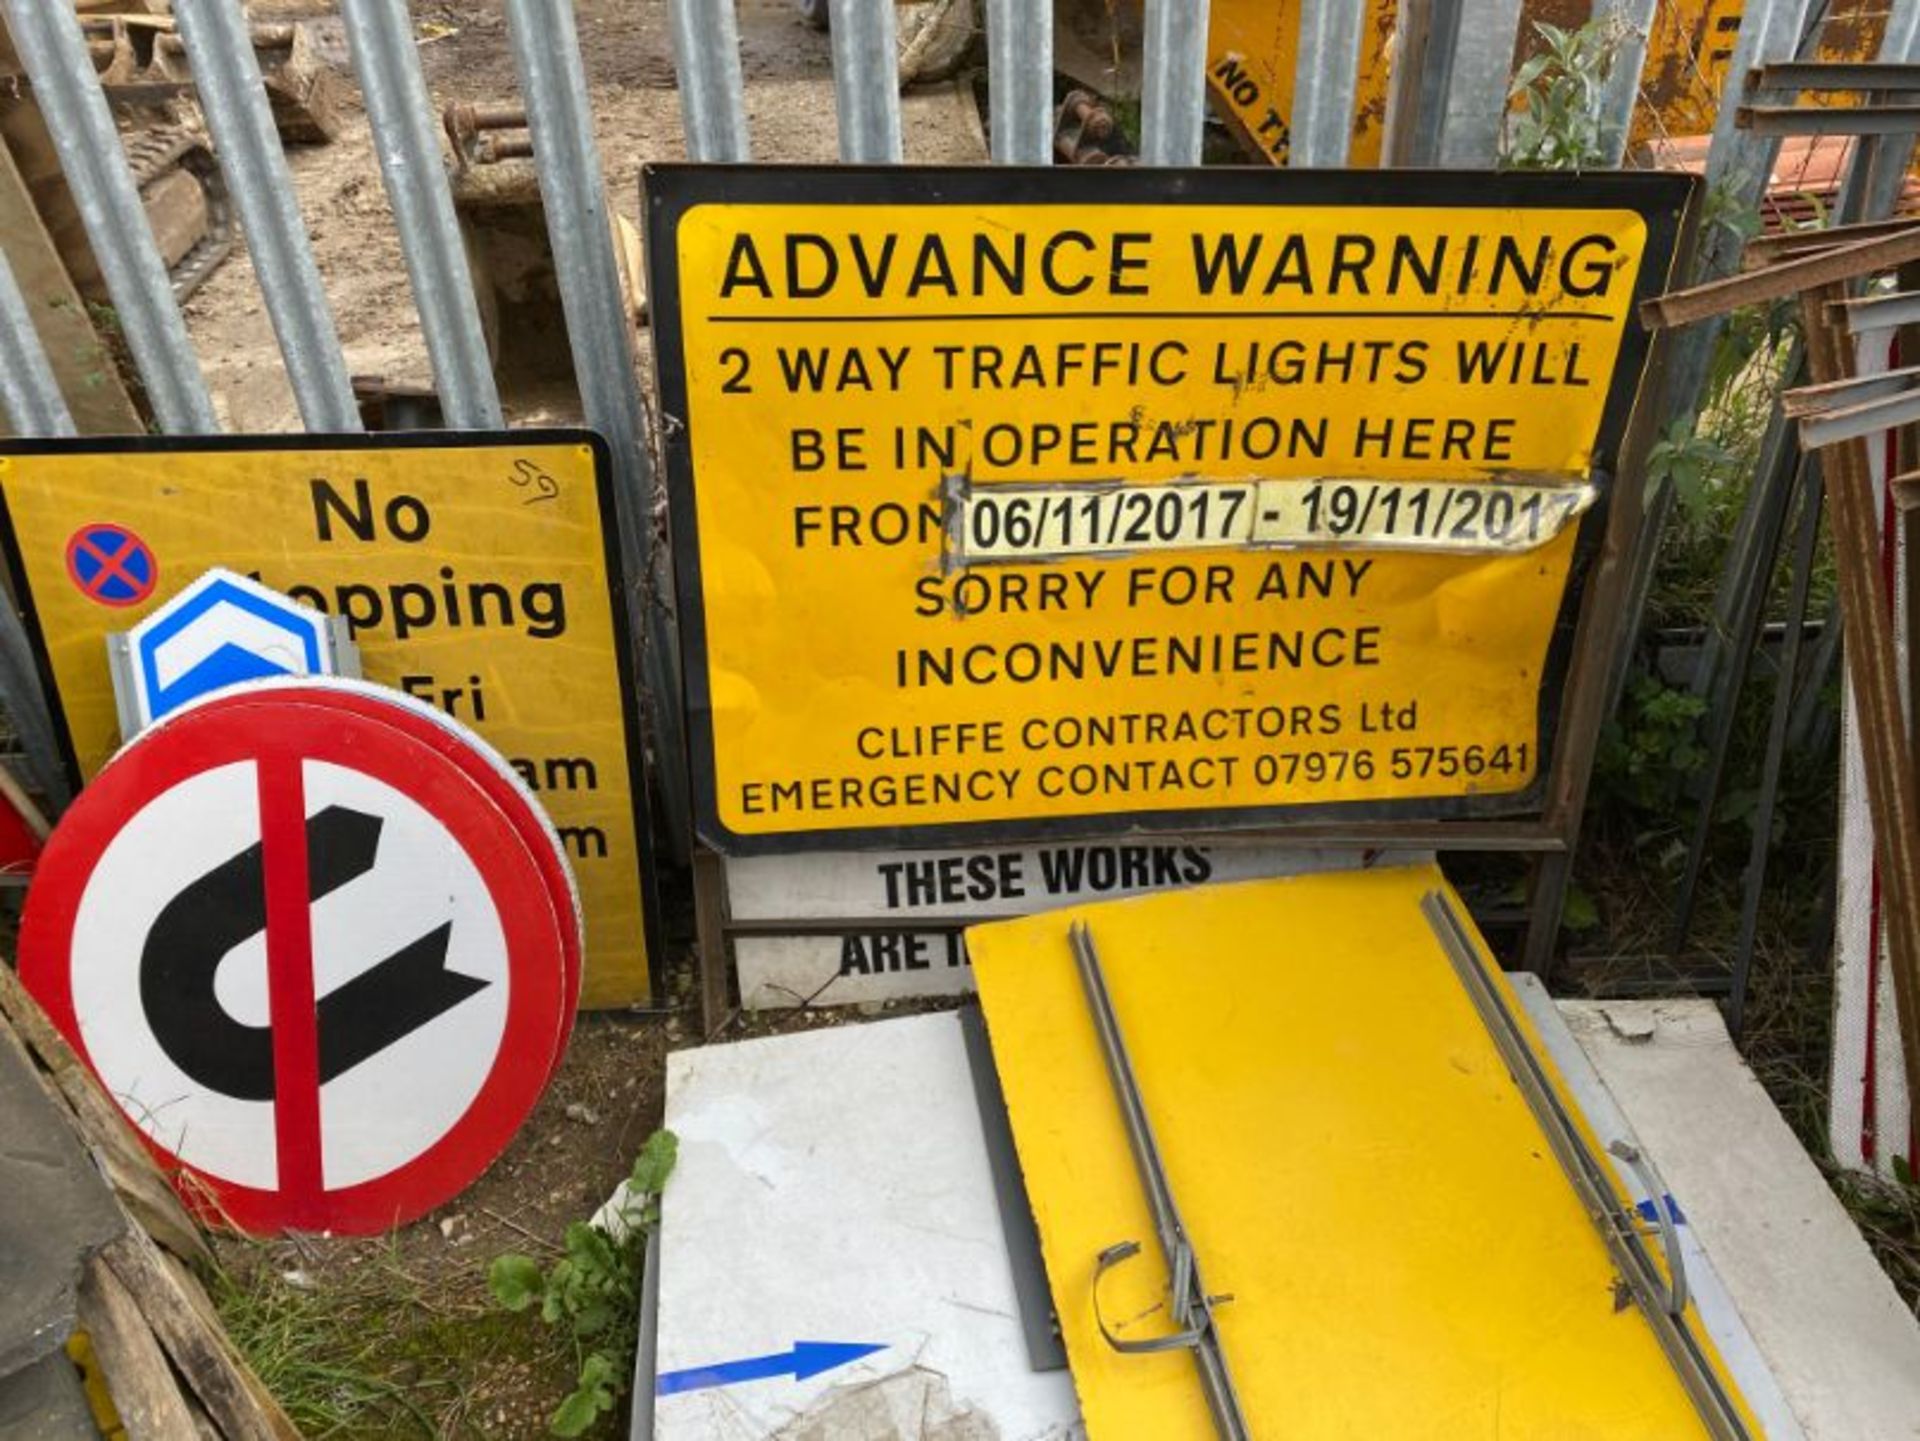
(55, 1211)
(834, 1190)
(45, 1402)
(1845, 1351)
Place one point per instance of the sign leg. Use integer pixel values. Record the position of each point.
(710, 938)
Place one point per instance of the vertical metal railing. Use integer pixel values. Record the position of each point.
(1739, 165)
(866, 86)
(706, 58)
(1423, 78)
(1020, 81)
(54, 52)
(1173, 83)
(553, 82)
(1886, 172)
(1455, 114)
(226, 76)
(1473, 122)
(387, 62)
(1325, 77)
(29, 394)
(1632, 21)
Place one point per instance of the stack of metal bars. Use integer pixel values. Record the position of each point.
(1838, 414)
(1789, 477)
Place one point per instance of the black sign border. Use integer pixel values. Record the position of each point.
(652, 933)
(670, 191)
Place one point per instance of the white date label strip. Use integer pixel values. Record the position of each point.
(1057, 521)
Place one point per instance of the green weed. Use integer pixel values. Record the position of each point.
(592, 1293)
(1560, 126)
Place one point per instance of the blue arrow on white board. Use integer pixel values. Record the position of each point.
(807, 1358)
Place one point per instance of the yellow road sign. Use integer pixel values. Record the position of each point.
(479, 574)
(1252, 46)
(1305, 440)
(1353, 1161)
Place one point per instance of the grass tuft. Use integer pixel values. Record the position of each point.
(370, 1350)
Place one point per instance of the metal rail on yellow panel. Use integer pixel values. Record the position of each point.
(1662, 1300)
(1192, 1306)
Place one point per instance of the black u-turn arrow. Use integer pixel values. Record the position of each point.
(226, 906)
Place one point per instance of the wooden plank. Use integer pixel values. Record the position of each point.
(142, 1385)
(81, 363)
(23, 130)
(184, 1321)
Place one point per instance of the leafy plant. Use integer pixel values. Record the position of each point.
(1560, 125)
(1728, 222)
(593, 1290)
(1688, 459)
(1650, 748)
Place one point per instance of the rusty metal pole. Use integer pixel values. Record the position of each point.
(1874, 669)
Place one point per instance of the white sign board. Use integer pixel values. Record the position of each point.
(867, 1288)
(902, 892)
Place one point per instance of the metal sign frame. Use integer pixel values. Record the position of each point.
(671, 192)
(1542, 824)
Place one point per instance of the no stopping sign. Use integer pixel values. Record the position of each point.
(309, 954)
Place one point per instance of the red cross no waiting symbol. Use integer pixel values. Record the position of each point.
(111, 564)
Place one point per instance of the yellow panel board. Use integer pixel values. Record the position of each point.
(842, 353)
(1350, 1155)
(1252, 46)
(476, 575)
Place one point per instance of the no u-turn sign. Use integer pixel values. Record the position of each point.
(314, 955)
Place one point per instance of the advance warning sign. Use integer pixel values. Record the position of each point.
(1014, 504)
(478, 574)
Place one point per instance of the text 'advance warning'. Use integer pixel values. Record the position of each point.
(1150, 510)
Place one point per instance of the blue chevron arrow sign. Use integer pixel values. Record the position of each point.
(221, 630)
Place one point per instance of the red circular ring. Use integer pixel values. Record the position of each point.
(206, 736)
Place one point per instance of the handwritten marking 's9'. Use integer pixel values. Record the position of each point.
(526, 473)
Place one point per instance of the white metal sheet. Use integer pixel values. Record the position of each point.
(833, 1187)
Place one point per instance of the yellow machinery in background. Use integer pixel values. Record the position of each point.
(1252, 46)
